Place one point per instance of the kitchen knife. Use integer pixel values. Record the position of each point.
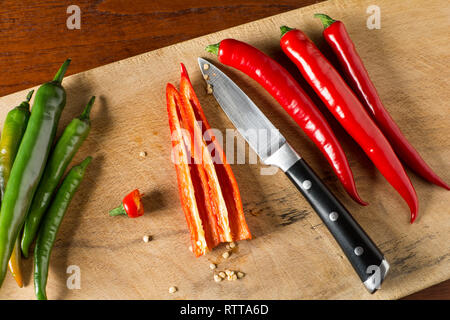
(367, 260)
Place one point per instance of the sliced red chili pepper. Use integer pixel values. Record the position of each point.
(343, 47)
(218, 215)
(283, 87)
(347, 109)
(208, 190)
(185, 171)
(231, 219)
(131, 205)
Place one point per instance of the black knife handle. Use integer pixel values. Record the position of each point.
(363, 254)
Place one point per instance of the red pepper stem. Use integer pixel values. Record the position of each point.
(285, 29)
(87, 109)
(213, 48)
(120, 210)
(326, 20)
(61, 72)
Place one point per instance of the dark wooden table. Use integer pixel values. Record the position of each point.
(34, 39)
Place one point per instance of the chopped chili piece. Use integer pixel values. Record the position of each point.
(131, 206)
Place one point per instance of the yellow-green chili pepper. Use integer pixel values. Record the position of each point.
(50, 226)
(29, 164)
(66, 147)
(13, 129)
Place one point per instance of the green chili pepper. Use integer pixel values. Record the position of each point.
(29, 164)
(66, 147)
(50, 225)
(13, 129)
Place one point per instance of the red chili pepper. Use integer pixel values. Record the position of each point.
(283, 87)
(208, 189)
(339, 40)
(131, 206)
(347, 109)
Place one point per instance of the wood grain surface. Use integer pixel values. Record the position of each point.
(291, 244)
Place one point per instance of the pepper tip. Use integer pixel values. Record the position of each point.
(184, 73)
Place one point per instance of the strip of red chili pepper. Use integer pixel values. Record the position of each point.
(340, 42)
(228, 187)
(131, 205)
(283, 87)
(215, 218)
(346, 108)
(186, 175)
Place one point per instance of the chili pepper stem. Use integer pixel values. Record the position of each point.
(87, 110)
(326, 20)
(213, 48)
(26, 104)
(29, 95)
(120, 210)
(285, 29)
(61, 72)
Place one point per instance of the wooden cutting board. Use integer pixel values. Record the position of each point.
(292, 255)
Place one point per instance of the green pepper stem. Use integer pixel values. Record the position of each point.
(87, 110)
(285, 29)
(61, 72)
(326, 20)
(213, 48)
(26, 104)
(120, 210)
(29, 95)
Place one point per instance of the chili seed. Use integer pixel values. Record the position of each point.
(142, 154)
(229, 272)
(222, 274)
(217, 278)
(205, 66)
(147, 238)
(226, 255)
(240, 274)
(172, 289)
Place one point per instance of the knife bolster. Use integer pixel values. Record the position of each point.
(284, 158)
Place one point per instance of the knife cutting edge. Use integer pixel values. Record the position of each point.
(366, 259)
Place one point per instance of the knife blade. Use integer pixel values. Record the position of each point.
(363, 254)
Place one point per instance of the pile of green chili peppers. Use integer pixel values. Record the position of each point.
(31, 168)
